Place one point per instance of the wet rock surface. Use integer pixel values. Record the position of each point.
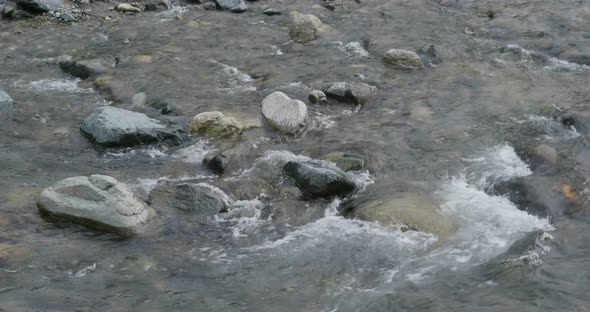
(115, 127)
(316, 180)
(97, 201)
(356, 93)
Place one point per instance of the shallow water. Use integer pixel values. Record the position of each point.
(452, 131)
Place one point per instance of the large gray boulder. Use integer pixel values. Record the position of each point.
(111, 126)
(304, 27)
(39, 6)
(98, 201)
(356, 93)
(402, 59)
(6, 103)
(235, 6)
(316, 180)
(201, 199)
(283, 113)
(414, 211)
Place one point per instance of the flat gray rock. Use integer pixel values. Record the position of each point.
(99, 202)
(111, 126)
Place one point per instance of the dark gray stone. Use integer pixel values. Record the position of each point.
(356, 93)
(201, 199)
(217, 161)
(579, 120)
(85, 68)
(115, 127)
(39, 6)
(315, 180)
(235, 6)
(158, 5)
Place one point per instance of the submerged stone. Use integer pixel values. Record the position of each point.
(201, 199)
(415, 211)
(346, 161)
(99, 202)
(428, 55)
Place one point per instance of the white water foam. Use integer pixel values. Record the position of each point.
(337, 228)
(246, 214)
(494, 165)
(52, 60)
(554, 64)
(53, 85)
(273, 161)
(489, 223)
(190, 154)
(176, 10)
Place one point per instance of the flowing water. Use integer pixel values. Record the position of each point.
(452, 131)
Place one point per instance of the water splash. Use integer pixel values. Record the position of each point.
(52, 85)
